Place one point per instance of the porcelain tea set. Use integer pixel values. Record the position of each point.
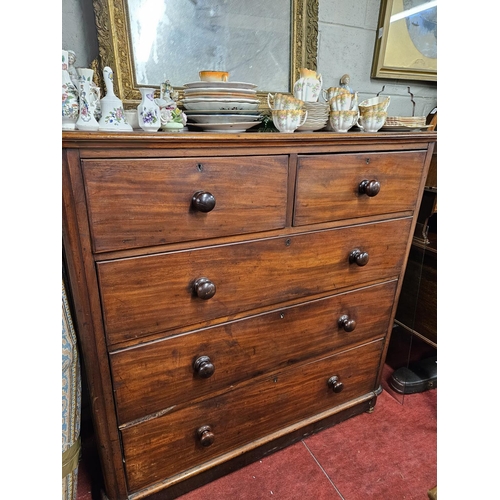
(340, 111)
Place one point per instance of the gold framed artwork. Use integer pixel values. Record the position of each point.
(406, 45)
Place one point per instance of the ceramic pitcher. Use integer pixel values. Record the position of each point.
(308, 87)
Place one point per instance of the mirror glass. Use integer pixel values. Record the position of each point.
(175, 39)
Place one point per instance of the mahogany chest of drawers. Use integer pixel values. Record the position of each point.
(233, 292)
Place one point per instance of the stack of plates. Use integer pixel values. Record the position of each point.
(221, 106)
(397, 123)
(317, 116)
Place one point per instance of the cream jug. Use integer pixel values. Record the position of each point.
(308, 87)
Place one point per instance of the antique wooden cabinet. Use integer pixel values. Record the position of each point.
(233, 292)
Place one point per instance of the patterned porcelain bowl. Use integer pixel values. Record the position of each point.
(374, 104)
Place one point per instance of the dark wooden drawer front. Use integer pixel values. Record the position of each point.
(145, 202)
(167, 445)
(155, 293)
(152, 377)
(328, 185)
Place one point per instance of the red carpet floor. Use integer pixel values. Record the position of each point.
(389, 454)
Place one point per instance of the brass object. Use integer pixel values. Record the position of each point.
(113, 35)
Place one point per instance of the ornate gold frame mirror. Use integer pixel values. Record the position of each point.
(116, 48)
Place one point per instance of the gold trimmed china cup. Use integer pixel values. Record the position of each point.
(283, 101)
(332, 92)
(372, 121)
(288, 120)
(342, 121)
(344, 102)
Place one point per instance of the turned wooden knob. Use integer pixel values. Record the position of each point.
(359, 257)
(370, 188)
(347, 323)
(335, 384)
(203, 367)
(205, 435)
(203, 201)
(204, 288)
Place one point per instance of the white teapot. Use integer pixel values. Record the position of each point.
(308, 87)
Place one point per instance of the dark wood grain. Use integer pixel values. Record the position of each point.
(150, 294)
(275, 220)
(327, 186)
(152, 377)
(159, 448)
(138, 203)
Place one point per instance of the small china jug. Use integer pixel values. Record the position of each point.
(308, 87)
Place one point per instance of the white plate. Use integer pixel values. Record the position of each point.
(221, 105)
(225, 85)
(247, 112)
(219, 99)
(218, 90)
(401, 128)
(229, 118)
(234, 128)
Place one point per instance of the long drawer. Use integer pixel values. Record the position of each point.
(151, 377)
(156, 293)
(189, 436)
(342, 186)
(144, 202)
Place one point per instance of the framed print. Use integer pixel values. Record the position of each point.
(406, 45)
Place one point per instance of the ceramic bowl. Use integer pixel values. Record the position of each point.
(380, 103)
(372, 121)
(342, 121)
(214, 76)
(344, 102)
(288, 120)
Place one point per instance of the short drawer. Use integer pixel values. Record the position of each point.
(144, 202)
(152, 377)
(174, 442)
(157, 293)
(342, 186)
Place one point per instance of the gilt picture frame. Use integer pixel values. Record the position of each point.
(406, 42)
(115, 48)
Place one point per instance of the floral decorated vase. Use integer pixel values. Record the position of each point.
(70, 103)
(86, 119)
(87, 75)
(148, 111)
